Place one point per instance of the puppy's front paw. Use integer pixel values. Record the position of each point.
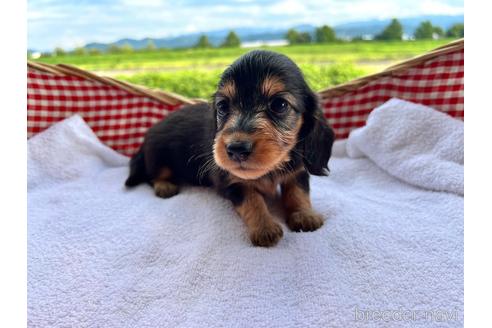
(267, 235)
(304, 220)
(165, 189)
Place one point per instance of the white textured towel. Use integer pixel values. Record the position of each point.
(414, 143)
(389, 254)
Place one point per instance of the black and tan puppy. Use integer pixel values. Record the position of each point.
(264, 128)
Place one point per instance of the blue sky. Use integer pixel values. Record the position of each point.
(71, 23)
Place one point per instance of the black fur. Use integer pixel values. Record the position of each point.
(233, 192)
(137, 170)
(184, 140)
(317, 138)
(302, 180)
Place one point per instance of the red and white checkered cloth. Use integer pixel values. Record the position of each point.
(120, 118)
(437, 83)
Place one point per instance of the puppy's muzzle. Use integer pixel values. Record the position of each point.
(239, 151)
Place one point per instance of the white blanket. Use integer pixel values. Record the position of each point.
(415, 143)
(390, 254)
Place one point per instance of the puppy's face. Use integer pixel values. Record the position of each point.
(259, 108)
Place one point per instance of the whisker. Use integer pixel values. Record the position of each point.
(206, 167)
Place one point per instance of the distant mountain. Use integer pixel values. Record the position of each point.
(347, 30)
(188, 40)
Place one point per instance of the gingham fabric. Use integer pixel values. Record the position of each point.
(118, 117)
(437, 83)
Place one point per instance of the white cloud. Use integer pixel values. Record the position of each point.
(37, 13)
(288, 7)
(441, 8)
(143, 3)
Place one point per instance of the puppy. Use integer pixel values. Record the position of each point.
(263, 128)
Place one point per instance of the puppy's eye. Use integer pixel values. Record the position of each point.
(279, 106)
(222, 107)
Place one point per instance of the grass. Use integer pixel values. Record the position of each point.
(195, 72)
(196, 58)
(201, 83)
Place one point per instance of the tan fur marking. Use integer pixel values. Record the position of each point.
(164, 174)
(291, 99)
(162, 187)
(165, 189)
(228, 124)
(265, 186)
(263, 230)
(228, 89)
(272, 85)
(271, 149)
(294, 198)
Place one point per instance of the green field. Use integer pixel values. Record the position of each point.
(194, 72)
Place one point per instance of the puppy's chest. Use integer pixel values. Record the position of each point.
(267, 186)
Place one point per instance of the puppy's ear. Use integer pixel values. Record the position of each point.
(316, 136)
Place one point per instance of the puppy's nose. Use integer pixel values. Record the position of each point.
(239, 150)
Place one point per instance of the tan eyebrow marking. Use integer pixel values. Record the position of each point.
(228, 89)
(291, 99)
(272, 85)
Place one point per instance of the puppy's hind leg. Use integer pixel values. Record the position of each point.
(137, 170)
(163, 187)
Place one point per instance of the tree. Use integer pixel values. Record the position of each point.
(358, 38)
(203, 42)
(232, 40)
(126, 47)
(438, 32)
(325, 34)
(456, 31)
(394, 31)
(424, 31)
(113, 49)
(427, 31)
(80, 51)
(94, 51)
(150, 46)
(305, 37)
(59, 52)
(294, 37)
